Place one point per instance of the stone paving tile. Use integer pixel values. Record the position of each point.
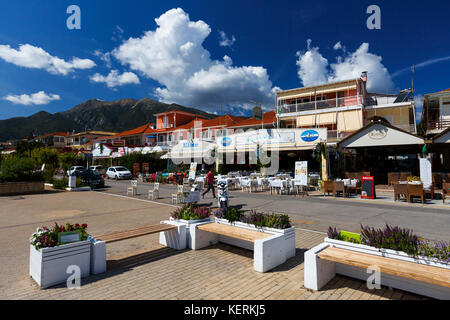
(142, 269)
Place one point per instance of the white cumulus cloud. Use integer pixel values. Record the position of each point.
(39, 98)
(173, 54)
(29, 56)
(312, 66)
(114, 79)
(314, 69)
(224, 41)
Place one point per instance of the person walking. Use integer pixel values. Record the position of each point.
(210, 182)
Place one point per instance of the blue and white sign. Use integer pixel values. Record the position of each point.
(310, 135)
(226, 141)
(190, 145)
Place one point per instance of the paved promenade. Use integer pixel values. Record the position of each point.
(142, 269)
(430, 221)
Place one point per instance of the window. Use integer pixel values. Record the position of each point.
(166, 122)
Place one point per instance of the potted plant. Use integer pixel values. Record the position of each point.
(53, 250)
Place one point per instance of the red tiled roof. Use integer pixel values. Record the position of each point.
(268, 118)
(222, 121)
(440, 92)
(64, 134)
(139, 130)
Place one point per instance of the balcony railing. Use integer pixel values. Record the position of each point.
(320, 104)
(438, 124)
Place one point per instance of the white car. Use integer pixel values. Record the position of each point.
(98, 169)
(118, 173)
(73, 169)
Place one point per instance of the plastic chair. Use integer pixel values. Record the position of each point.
(154, 193)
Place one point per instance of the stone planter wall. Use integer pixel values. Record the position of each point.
(18, 188)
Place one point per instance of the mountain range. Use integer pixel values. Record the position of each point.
(91, 115)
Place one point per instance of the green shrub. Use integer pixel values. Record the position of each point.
(20, 169)
(60, 184)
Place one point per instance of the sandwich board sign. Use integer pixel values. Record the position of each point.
(192, 171)
(426, 171)
(301, 172)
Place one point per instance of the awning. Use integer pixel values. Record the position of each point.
(192, 149)
(379, 134)
(443, 137)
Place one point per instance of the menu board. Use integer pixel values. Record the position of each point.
(192, 171)
(368, 187)
(301, 172)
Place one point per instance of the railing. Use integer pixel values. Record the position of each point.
(377, 101)
(438, 124)
(165, 143)
(334, 135)
(320, 104)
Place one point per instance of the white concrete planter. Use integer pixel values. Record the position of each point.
(288, 235)
(48, 266)
(188, 224)
(268, 253)
(318, 272)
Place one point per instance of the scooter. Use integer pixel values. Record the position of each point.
(222, 193)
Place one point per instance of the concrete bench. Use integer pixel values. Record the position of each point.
(174, 237)
(324, 261)
(269, 250)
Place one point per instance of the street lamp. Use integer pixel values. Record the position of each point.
(262, 116)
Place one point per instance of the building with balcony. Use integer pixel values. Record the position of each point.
(343, 108)
(436, 112)
(84, 140)
(56, 140)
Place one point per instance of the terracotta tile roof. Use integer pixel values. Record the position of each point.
(268, 118)
(63, 134)
(222, 121)
(440, 92)
(139, 130)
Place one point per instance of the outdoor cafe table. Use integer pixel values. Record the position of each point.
(247, 183)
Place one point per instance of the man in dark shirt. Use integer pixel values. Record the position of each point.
(210, 182)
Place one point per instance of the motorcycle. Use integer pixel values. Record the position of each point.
(222, 193)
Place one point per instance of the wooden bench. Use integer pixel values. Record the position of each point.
(233, 232)
(171, 235)
(134, 233)
(269, 249)
(405, 269)
(397, 270)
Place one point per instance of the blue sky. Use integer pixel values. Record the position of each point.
(185, 59)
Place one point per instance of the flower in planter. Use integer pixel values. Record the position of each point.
(189, 212)
(394, 238)
(333, 233)
(45, 237)
(258, 219)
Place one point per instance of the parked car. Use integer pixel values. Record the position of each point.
(118, 173)
(99, 169)
(75, 168)
(90, 178)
